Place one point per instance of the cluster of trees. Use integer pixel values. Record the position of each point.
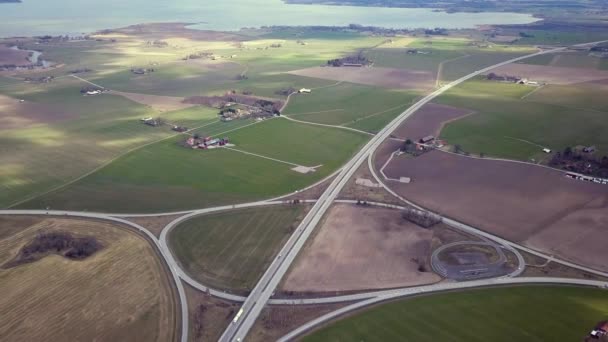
(438, 31)
(580, 162)
(419, 217)
(358, 59)
(198, 321)
(408, 146)
(61, 243)
(286, 91)
(158, 43)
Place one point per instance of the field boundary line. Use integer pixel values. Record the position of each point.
(375, 114)
(261, 156)
(503, 160)
(319, 112)
(89, 82)
(532, 92)
(101, 166)
(326, 125)
(328, 86)
(525, 141)
(440, 68)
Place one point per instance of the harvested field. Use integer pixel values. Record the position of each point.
(551, 74)
(15, 57)
(382, 77)
(278, 320)
(119, 293)
(158, 102)
(354, 191)
(360, 248)
(15, 114)
(429, 120)
(536, 206)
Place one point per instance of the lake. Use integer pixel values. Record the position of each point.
(39, 17)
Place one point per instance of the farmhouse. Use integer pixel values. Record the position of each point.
(589, 149)
(206, 143)
(428, 139)
(600, 330)
(416, 52)
(305, 91)
(142, 71)
(180, 129)
(526, 81)
(92, 91)
(151, 122)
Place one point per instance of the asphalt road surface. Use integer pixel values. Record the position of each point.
(262, 292)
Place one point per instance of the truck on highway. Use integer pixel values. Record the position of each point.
(238, 315)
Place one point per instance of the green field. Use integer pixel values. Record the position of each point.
(96, 130)
(532, 313)
(566, 60)
(101, 128)
(456, 56)
(230, 250)
(347, 104)
(503, 117)
(166, 176)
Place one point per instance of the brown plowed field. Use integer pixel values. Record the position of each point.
(10, 56)
(361, 248)
(382, 77)
(538, 207)
(14, 114)
(429, 120)
(551, 74)
(120, 293)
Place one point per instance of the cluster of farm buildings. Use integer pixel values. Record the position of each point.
(599, 332)
(512, 79)
(206, 143)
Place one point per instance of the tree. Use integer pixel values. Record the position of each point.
(568, 152)
(407, 145)
(457, 149)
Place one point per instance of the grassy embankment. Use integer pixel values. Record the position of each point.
(539, 313)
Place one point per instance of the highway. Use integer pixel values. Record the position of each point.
(401, 293)
(262, 292)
